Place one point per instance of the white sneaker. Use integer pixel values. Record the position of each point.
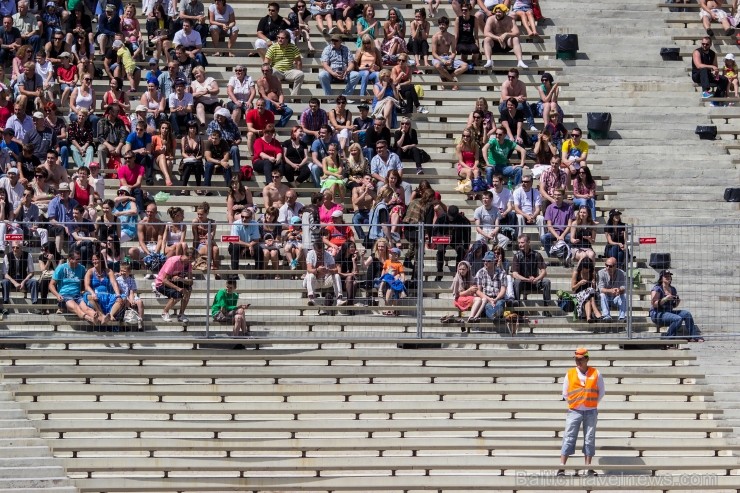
(521, 64)
(159, 177)
(422, 110)
(150, 276)
(184, 319)
(488, 64)
(533, 129)
(154, 290)
(341, 301)
(166, 317)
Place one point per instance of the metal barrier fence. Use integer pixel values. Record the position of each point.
(414, 299)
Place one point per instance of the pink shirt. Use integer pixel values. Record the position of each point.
(325, 214)
(129, 175)
(172, 267)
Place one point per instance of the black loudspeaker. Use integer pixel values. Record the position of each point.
(566, 46)
(660, 261)
(598, 125)
(732, 194)
(670, 54)
(706, 132)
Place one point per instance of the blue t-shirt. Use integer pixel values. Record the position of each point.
(138, 143)
(68, 280)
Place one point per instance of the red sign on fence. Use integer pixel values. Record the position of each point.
(10, 237)
(648, 241)
(229, 238)
(440, 240)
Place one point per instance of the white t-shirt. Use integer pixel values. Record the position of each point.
(241, 88)
(528, 201)
(175, 102)
(197, 86)
(44, 69)
(221, 17)
(191, 40)
(501, 200)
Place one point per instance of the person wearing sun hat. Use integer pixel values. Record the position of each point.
(664, 300)
(583, 389)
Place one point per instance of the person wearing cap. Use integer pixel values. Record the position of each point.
(337, 65)
(109, 23)
(28, 25)
(491, 282)
(13, 187)
(194, 11)
(181, 107)
(286, 63)
(191, 42)
(664, 301)
(501, 35)
(67, 75)
(583, 389)
(731, 73)
(338, 232)
(141, 115)
(60, 215)
(50, 20)
(9, 149)
(293, 243)
(270, 89)
(230, 134)
(154, 71)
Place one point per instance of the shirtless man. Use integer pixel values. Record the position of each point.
(444, 55)
(57, 172)
(501, 35)
(514, 88)
(271, 90)
(275, 192)
(150, 231)
(363, 198)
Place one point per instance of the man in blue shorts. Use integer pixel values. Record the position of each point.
(66, 287)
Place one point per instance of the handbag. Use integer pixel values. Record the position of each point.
(419, 90)
(566, 301)
(464, 185)
(660, 261)
(536, 10)
(131, 317)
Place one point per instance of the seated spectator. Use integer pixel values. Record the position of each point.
(406, 145)
(515, 88)
(512, 121)
(27, 216)
(82, 235)
(367, 62)
(419, 34)
(363, 197)
(497, 151)
(487, 222)
(491, 283)
(126, 211)
(705, 70)
(663, 301)
(528, 206)
(385, 98)
(552, 179)
(501, 35)
(241, 92)
(59, 214)
(66, 286)
(108, 25)
(82, 191)
(163, 151)
(393, 196)
(401, 77)
(226, 309)
(107, 224)
(464, 289)
(319, 151)
(293, 244)
(141, 145)
(337, 65)
(340, 119)
(383, 163)
(268, 154)
(247, 246)
(191, 41)
(111, 136)
(557, 222)
(102, 294)
(270, 235)
(216, 155)
(393, 281)
(709, 10)
(394, 32)
(549, 92)
(131, 31)
(205, 94)
(554, 126)
(524, 11)
(574, 152)
(348, 267)
(361, 124)
(268, 28)
(444, 54)
(31, 85)
(28, 162)
(322, 12)
(467, 152)
(68, 77)
(81, 50)
(584, 286)
(328, 207)
(297, 160)
(151, 107)
(275, 193)
(367, 25)
(337, 233)
(271, 90)
(584, 190)
(529, 272)
(47, 263)
(582, 235)
(730, 72)
(204, 235)
(191, 150)
(194, 11)
(616, 238)
(129, 293)
(612, 287)
(110, 250)
(332, 177)
(456, 226)
(466, 33)
(131, 176)
(375, 133)
(545, 149)
(257, 120)
(237, 198)
(175, 233)
(312, 119)
(374, 263)
(175, 281)
(322, 272)
(18, 274)
(230, 134)
(222, 24)
(83, 97)
(286, 63)
(160, 29)
(181, 107)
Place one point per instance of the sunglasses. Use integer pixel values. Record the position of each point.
(575, 135)
(526, 181)
(87, 79)
(512, 76)
(611, 265)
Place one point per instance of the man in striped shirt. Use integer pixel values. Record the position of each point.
(285, 60)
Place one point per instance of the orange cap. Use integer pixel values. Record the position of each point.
(581, 352)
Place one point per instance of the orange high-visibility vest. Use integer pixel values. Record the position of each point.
(583, 395)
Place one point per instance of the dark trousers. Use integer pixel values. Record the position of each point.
(301, 175)
(191, 169)
(238, 251)
(530, 287)
(441, 249)
(413, 153)
(147, 161)
(706, 79)
(265, 167)
(32, 286)
(408, 93)
(178, 121)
